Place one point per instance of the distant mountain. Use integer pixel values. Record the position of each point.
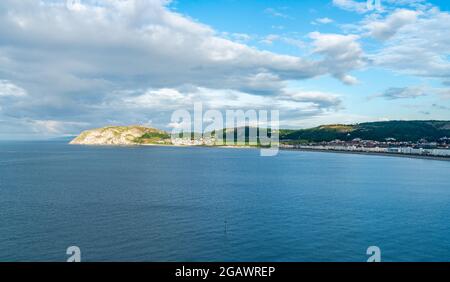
(377, 131)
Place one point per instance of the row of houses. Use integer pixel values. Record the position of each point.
(391, 150)
(194, 141)
(420, 151)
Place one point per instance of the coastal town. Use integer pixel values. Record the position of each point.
(423, 147)
(200, 141)
(139, 135)
(389, 146)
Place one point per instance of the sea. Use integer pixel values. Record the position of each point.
(177, 204)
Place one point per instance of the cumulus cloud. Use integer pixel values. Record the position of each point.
(320, 99)
(135, 41)
(342, 53)
(387, 28)
(72, 59)
(169, 99)
(415, 43)
(293, 104)
(9, 89)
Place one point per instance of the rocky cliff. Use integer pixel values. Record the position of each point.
(122, 135)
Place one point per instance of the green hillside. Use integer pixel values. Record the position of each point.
(378, 131)
(241, 135)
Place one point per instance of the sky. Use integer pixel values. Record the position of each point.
(67, 66)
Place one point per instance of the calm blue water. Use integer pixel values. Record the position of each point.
(171, 204)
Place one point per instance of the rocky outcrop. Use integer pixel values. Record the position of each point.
(119, 135)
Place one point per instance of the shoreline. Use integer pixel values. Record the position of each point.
(411, 156)
(436, 158)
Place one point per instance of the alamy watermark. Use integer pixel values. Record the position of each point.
(374, 254)
(74, 254)
(259, 128)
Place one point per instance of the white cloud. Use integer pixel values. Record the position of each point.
(416, 45)
(54, 127)
(24, 128)
(321, 99)
(9, 89)
(269, 39)
(76, 62)
(241, 37)
(388, 27)
(350, 5)
(342, 53)
(169, 99)
(378, 6)
(75, 5)
(323, 20)
(75, 59)
(294, 104)
(131, 42)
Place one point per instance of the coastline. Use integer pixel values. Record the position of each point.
(411, 156)
(437, 158)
